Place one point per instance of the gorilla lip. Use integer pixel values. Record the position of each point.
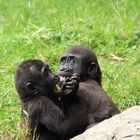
(57, 88)
(62, 78)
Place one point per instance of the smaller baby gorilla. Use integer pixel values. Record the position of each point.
(35, 84)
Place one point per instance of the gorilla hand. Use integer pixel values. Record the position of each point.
(70, 85)
(69, 89)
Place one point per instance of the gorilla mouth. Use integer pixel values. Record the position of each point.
(55, 84)
(62, 78)
(57, 88)
(65, 74)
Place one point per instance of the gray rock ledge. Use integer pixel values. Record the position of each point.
(124, 126)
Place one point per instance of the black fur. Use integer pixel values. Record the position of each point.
(34, 82)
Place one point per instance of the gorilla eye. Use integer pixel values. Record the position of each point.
(63, 62)
(31, 87)
(72, 61)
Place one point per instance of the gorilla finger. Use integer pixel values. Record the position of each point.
(70, 87)
(72, 83)
(75, 78)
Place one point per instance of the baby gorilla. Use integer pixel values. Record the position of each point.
(90, 103)
(35, 84)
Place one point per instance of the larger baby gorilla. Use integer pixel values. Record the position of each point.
(90, 104)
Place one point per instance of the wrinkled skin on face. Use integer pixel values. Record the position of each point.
(69, 64)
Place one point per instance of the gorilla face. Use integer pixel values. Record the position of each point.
(69, 65)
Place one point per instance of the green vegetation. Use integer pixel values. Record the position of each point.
(43, 29)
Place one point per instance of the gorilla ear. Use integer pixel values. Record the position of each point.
(92, 70)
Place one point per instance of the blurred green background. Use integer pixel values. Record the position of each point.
(43, 29)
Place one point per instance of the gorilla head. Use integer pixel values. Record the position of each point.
(34, 77)
(80, 60)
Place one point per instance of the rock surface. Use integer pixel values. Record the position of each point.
(124, 126)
